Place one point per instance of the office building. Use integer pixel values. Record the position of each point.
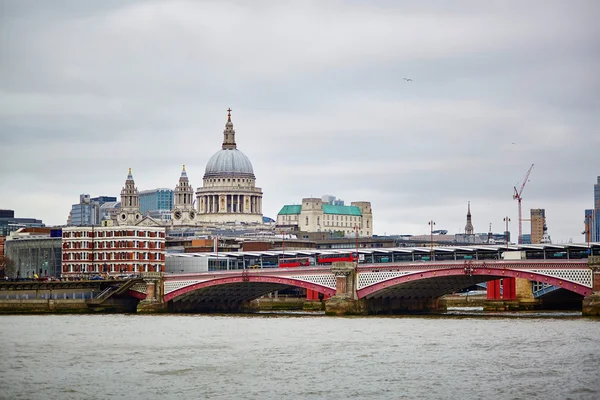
(88, 210)
(8, 222)
(589, 225)
(157, 203)
(538, 221)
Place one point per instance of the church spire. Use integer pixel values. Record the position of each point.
(469, 225)
(229, 133)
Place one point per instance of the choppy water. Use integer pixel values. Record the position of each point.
(289, 357)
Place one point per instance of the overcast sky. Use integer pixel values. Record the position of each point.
(320, 106)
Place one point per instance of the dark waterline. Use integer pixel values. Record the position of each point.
(275, 356)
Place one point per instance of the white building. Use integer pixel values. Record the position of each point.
(313, 215)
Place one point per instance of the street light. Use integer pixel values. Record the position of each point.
(431, 225)
(356, 230)
(507, 220)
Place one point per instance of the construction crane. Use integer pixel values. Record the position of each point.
(517, 196)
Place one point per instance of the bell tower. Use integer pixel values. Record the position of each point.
(130, 203)
(183, 207)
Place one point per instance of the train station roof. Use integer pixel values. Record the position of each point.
(390, 250)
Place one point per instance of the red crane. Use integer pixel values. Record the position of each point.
(518, 197)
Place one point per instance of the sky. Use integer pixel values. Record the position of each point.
(320, 104)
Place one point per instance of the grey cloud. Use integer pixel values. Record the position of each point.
(88, 89)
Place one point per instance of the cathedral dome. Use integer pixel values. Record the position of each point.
(228, 162)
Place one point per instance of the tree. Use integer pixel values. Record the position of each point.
(8, 265)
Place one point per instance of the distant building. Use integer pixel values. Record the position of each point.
(315, 216)
(157, 203)
(88, 210)
(596, 225)
(112, 250)
(589, 224)
(538, 221)
(526, 238)
(8, 222)
(332, 200)
(35, 251)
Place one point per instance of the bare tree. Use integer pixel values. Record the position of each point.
(9, 267)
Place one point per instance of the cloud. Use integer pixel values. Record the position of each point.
(89, 89)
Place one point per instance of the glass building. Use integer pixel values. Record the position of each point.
(157, 203)
(88, 211)
(8, 222)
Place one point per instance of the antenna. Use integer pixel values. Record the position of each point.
(517, 196)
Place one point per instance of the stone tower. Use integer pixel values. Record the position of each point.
(366, 228)
(130, 203)
(183, 201)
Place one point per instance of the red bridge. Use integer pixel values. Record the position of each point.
(390, 287)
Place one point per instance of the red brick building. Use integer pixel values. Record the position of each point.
(112, 250)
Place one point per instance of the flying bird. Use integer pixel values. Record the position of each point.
(407, 79)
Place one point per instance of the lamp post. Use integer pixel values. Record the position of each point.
(507, 220)
(282, 245)
(431, 225)
(356, 230)
(217, 253)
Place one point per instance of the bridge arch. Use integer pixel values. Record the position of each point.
(259, 285)
(454, 278)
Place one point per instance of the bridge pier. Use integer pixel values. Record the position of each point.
(153, 303)
(386, 305)
(517, 295)
(345, 300)
(591, 304)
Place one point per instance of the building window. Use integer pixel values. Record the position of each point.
(307, 221)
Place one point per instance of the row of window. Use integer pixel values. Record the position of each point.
(114, 244)
(230, 180)
(326, 217)
(102, 234)
(114, 256)
(82, 268)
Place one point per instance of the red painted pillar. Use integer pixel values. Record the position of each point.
(509, 288)
(493, 290)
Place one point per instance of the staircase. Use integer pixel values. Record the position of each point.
(112, 290)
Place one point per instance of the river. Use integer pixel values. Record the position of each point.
(529, 356)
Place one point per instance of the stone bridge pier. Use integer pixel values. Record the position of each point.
(345, 301)
(591, 304)
(154, 293)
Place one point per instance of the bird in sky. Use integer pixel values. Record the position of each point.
(407, 79)
(512, 143)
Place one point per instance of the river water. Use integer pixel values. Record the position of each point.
(529, 356)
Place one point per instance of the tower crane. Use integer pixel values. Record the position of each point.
(517, 196)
